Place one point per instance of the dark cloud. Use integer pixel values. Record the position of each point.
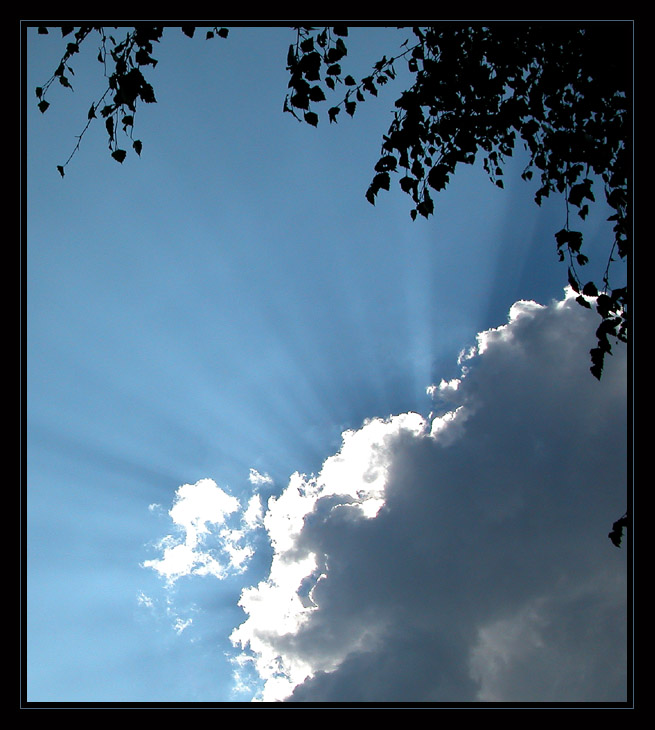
(487, 573)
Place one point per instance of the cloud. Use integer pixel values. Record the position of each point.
(463, 556)
(258, 479)
(200, 513)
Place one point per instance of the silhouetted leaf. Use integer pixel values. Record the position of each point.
(407, 184)
(311, 118)
(589, 289)
(119, 155)
(369, 85)
(336, 53)
(604, 305)
(437, 177)
(332, 113)
(426, 206)
(382, 180)
(350, 107)
(60, 170)
(43, 105)
(417, 169)
(388, 162)
(316, 94)
(597, 360)
(143, 58)
(310, 66)
(189, 30)
(147, 94)
(300, 100)
(616, 535)
(307, 45)
(137, 146)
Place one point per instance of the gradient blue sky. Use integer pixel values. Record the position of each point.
(230, 301)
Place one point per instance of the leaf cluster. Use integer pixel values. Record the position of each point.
(561, 90)
(314, 63)
(123, 61)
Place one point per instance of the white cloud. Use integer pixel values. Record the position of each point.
(199, 512)
(258, 479)
(180, 624)
(144, 600)
(254, 515)
(463, 556)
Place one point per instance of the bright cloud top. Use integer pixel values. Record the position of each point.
(458, 557)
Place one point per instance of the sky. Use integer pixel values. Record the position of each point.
(285, 446)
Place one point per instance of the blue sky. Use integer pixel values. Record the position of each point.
(217, 314)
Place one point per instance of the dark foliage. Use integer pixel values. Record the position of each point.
(561, 90)
(616, 535)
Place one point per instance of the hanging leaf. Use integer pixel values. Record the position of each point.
(589, 289)
(119, 155)
(316, 94)
(388, 162)
(311, 118)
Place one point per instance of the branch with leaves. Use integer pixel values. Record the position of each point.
(562, 90)
(478, 90)
(123, 62)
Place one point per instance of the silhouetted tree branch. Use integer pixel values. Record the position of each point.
(563, 90)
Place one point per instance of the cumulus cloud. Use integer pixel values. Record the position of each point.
(199, 514)
(461, 556)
